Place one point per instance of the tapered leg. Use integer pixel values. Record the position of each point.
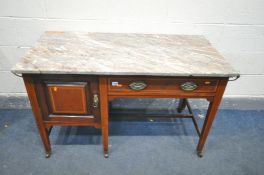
(30, 87)
(104, 113)
(211, 112)
(182, 105)
(45, 139)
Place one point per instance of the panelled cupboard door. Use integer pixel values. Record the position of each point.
(68, 96)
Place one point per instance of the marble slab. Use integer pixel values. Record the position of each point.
(123, 54)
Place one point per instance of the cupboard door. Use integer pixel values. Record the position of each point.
(68, 98)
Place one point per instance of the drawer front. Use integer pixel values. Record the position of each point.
(68, 98)
(143, 85)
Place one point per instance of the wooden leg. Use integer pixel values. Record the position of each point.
(182, 105)
(104, 113)
(211, 112)
(206, 128)
(44, 134)
(105, 136)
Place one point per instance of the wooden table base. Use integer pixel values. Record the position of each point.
(92, 95)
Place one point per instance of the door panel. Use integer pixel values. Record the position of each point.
(68, 98)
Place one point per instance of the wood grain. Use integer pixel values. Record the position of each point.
(68, 98)
(211, 113)
(73, 105)
(118, 85)
(104, 112)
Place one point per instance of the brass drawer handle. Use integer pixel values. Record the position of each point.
(188, 86)
(95, 101)
(137, 85)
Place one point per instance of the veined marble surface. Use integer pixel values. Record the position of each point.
(124, 54)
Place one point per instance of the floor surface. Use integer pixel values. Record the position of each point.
(167, 147)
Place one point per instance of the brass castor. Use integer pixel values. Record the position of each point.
(48, 154)
(200, 154)
(106, 155)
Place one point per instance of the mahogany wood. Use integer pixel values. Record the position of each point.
(211, 113)
(44, 134)
(157, 85)
(208, 96)
(68, 99)
(104, 112)
(74, 104)
(78, 95)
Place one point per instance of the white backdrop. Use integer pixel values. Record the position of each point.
(235, 28)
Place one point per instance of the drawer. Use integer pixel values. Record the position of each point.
(160, 85)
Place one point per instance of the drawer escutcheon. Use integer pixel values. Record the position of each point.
(188, 86)
(138, 85)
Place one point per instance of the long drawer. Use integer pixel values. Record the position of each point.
(160, 85)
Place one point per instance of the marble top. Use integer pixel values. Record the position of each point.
(123, 54)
